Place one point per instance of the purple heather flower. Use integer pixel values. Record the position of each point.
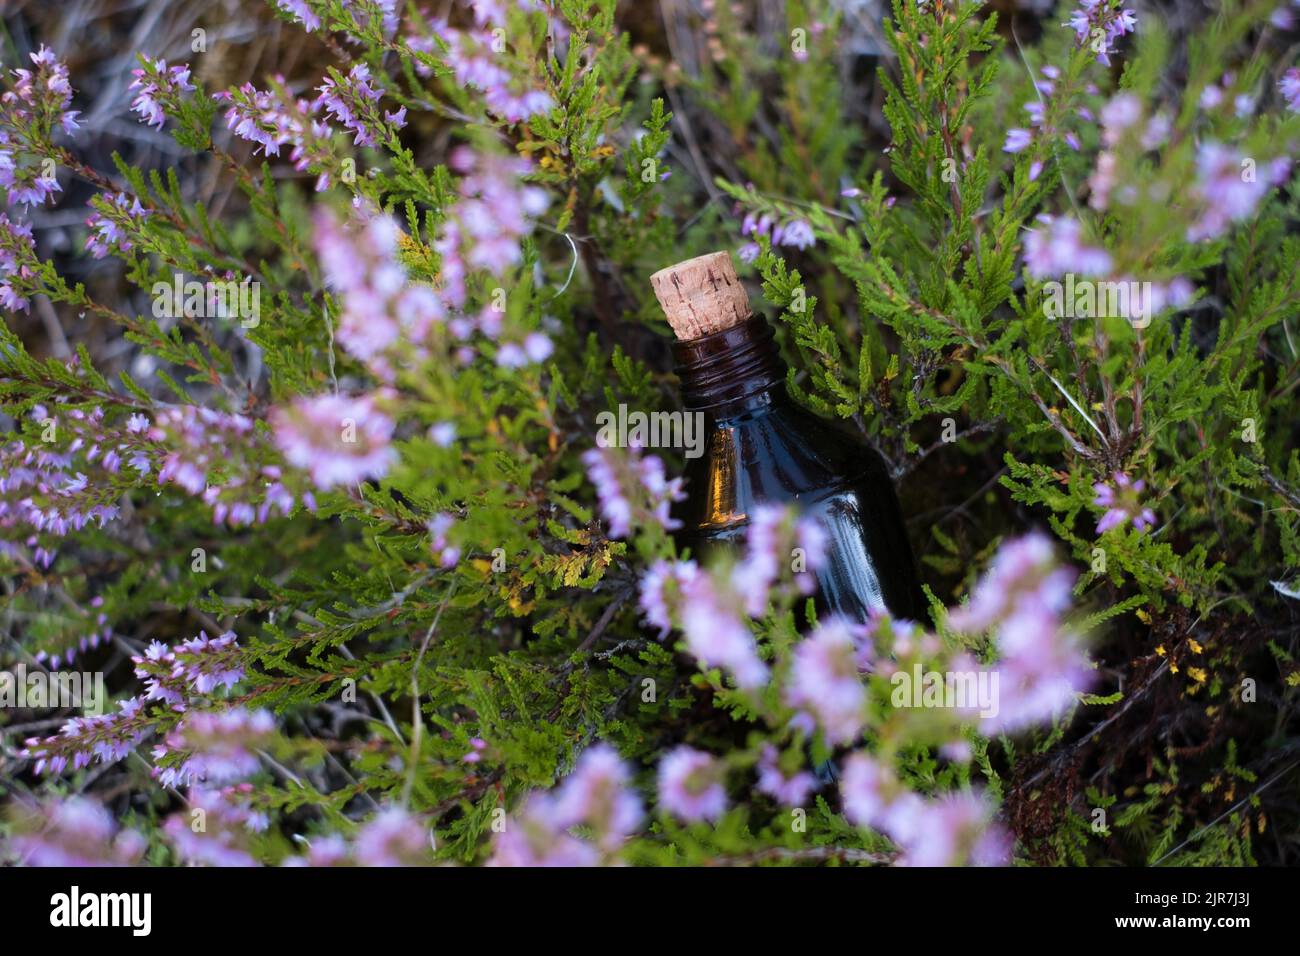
(867, 790)
(158, 87)
(25, 185)
(1289, 86)
(1102, 180)
(194, 443)
(1055, 248)
(485, 226)
(337, 439)
(769, 547)
(538, 347)
(1022, 578)
(1225, 189)
(447, 555)
(474, 65)
(353, 101)
(1175, 293)
(442, 434)
(691, 785)
(34, 107)
(392, 838)
(656, 602)
(106, 738)
(631, 487)
(791, 791)
(258, 117)
(718, 636)
(272, 119)
(228, 824)
(597, 795)
(953, 829)
(824, 681)
(17, 261)
(1120, 498)
(1156, 132)
(1017, 140)
(214, 747)
(797, 233)
(381, 309)
(950, 830)
(533, 838)
(111, 230)
(302, 12)
(1099, 23)
(1041, 666)
(74, 832)
(198, 666)
(1120, 113)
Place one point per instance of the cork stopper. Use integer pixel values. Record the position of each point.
(701, 296)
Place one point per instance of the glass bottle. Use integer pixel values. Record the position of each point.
(761, 447)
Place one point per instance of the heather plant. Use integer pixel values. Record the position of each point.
(366, 588)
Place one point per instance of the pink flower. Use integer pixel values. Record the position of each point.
(392, 838)
(383, 313)
(632, 488)
(159, 87)
(447, 555)
(717, 636)
(1055, 248)
(1017, 140)
(596, 794)
(1099, 23)
(1289, 86)
(353, 101)
(111, 230)
(661, 589)
(215, 747)
(74, 832)
(792, 232)
(950, 830)
(792, 791)
(533, 838)
(1121, 501)
(824, 681)
(338, 439)
(443, 434)
(773, 539)
(1120, 113)
(228, 824)
(1041, 666)
(1227, 188)
(691, 785)
(300, 11)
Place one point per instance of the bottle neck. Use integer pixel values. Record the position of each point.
(733, 371)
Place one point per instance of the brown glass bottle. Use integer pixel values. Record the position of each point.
(762, 447)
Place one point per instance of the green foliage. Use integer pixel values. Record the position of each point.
(913, 317)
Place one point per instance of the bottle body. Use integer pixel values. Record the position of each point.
(762, 448)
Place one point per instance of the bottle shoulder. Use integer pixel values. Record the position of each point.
(783, 454)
